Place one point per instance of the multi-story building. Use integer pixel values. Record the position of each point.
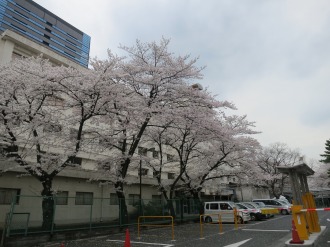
(39, 25)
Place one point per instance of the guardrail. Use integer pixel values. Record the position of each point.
(235, 213)
(158, 225)
(201, 223)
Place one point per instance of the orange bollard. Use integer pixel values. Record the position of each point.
(295, 237)
(127, 239)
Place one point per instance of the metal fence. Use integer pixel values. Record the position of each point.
(25, 214)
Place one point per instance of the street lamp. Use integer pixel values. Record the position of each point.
(140, 175)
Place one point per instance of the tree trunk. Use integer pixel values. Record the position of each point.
(169, 203)
(195, 194)
(47, 204)
(123, 213)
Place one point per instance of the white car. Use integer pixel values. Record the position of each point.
(274, 203)
(255, 213)
(226, 210)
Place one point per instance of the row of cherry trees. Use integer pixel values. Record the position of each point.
(51, 115)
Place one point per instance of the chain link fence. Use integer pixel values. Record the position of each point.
(83, 213)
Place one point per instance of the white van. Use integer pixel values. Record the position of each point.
(226, 210)
(274, 203)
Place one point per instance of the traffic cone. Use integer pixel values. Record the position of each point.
(127, 239)
(295, 237)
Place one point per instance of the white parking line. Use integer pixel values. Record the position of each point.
(132, 242)
(261, 230)
(239, 243)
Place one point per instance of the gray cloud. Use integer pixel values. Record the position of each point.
(270, 57)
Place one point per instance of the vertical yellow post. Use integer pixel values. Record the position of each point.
(172, 228)
(310, 226)
(139, 227)
(314, 215)
(235, 218)
(201, 224)
(300, 222)
(220, 223)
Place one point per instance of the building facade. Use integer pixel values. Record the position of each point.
(27, 29)
(45, 28)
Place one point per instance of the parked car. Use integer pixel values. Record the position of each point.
(274, 203)
(266, 211)
(226, 210)
(255, 213)
(285, 202)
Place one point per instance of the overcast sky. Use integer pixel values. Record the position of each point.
(269, 57)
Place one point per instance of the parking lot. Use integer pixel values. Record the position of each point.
(271, 233)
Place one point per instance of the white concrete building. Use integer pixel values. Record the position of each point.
(80, 200)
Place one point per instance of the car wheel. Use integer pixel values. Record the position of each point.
(208, 219)
(253, 217)
(240, 220)
(284, 212)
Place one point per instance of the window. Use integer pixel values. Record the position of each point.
(114, 199)
(142, 151)
(62, 198)
(156, 174)
(214, 206)
(10, 151)
(55, 101)
(170, 158)
(75, 161)
(84, 198)
(8, 195)
(225, 206)
(105, 142)
(170, 175)
(144, 172)
(134, 199)
(155, 154)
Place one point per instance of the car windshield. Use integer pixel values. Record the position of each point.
(284, 202)
(261, 204)
(240, 206)
(252, 205)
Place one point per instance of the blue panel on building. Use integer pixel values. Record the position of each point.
(35, 22)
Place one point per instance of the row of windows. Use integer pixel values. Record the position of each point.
(144, 172)
(155, 154)
(9, 195)
(13, 16)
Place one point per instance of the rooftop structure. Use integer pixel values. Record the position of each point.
(43, 27)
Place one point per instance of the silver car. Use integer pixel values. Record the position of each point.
(225, 209)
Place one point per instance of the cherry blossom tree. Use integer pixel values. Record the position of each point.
(45, 112)
(266, 173)
(207, 145)
(178, 135)
(320, 179)
(227, 153)
(156, 80)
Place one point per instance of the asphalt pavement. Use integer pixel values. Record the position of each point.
(273, 232)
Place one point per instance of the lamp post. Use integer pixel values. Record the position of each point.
(140, 175)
